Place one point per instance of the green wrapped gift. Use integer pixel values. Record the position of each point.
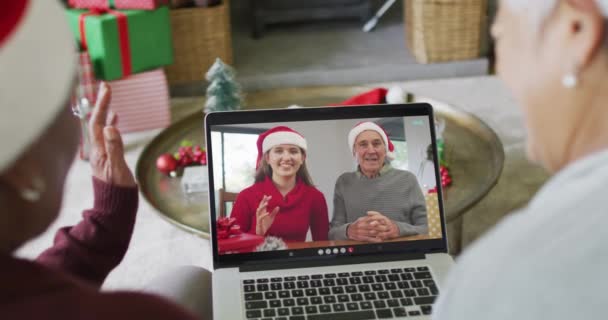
(123, 42)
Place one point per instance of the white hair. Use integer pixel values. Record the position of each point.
(539, 10)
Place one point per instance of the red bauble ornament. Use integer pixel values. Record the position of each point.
(166, 163)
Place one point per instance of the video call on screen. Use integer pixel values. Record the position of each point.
(327, 157)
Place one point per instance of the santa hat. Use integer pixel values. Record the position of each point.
(38, 65)
(376, 96)
(370, 126)
(276, 136)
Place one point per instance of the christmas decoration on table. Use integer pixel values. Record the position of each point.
(195, 180)
(141, 101)
(446, 179)
(223, 93)
(167, 164)
(117, 4)
(444, 172)
(231, 239)
(187, 155)
(122, 43)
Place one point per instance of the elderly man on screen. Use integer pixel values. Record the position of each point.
(376, 202)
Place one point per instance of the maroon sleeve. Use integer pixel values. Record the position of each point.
(93, 247)
(242, 213)
(319, 219)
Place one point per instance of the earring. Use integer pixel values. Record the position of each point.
(34, 193)
(570, 79)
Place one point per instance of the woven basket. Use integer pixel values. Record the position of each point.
(200, 35)
(444, 30)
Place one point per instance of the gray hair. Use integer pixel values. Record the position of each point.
(540, 10)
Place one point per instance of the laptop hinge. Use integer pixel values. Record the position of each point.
(307, 262)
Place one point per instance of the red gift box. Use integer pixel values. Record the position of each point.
(242, 243)
(230, 239)
(141, 101)
(117, 4)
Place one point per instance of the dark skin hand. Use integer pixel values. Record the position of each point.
(107, 150)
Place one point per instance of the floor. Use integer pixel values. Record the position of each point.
(329, 52)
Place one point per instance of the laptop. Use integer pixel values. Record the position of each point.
(307, 278)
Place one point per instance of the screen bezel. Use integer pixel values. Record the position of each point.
(312, 114)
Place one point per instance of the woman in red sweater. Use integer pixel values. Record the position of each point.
(282, 202)
(39, 137)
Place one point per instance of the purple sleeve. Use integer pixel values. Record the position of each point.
(93, 247)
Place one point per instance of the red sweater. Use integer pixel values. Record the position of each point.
(302, 208)
(64, 282)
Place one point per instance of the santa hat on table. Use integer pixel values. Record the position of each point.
(37, 69)
(276, 136)
(370, 126)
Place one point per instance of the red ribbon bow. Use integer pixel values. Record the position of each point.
(227, 227)
(123, 35)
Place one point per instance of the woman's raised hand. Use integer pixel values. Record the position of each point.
(107, 152)
(263, 217)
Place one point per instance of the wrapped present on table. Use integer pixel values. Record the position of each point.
(230, 239)
(243, 243)
(141, 101)
(117, 4)
(121, 43)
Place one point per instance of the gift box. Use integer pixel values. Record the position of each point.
(117, 4)
(230, 239)
(121, 43)
(242, 243)
(141, 101)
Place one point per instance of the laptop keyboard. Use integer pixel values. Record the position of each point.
(371, 294)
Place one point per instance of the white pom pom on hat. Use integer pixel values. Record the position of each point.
(37, 70)
(370, 126)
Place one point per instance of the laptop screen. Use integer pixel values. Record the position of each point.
(323, 183)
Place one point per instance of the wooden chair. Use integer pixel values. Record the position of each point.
(225, 199)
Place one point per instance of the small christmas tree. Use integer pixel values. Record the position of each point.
(223, 93)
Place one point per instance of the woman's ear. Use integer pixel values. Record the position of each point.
(586, 31)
